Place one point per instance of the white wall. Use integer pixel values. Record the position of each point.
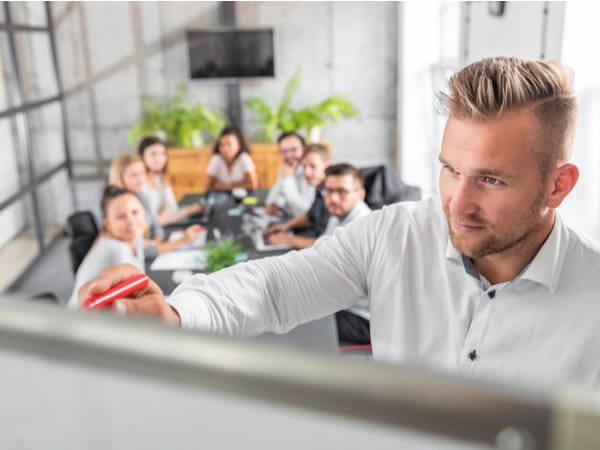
(582, 208)
(111, 53)
(526, 29)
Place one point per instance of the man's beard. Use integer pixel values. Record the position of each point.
(499, 239)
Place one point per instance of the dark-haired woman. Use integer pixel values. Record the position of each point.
(231, 165)
(158, 189)
(120, 241)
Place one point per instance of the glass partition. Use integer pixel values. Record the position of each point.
(47, 139)
(34, 54)
(35, 196)
(13, 173)
(6, 73)
(111, 379)
(28, 13)
(55, 204)
(18, 246)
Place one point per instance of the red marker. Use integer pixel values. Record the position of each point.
(120, 290)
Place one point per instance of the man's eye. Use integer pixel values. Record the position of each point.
(492, 180)
(450, 169)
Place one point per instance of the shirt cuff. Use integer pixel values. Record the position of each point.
(190, 305)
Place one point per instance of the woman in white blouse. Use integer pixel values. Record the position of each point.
(120, 241)
(158, 189)
(231, 165)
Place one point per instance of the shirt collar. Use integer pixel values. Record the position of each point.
(547, 264)
(355, 212)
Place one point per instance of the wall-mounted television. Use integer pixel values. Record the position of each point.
(231, 53)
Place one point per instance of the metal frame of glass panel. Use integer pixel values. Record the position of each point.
(19, 112)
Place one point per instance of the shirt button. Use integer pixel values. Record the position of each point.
(491, 294)
(473, 355)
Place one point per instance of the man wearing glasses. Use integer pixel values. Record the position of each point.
(291, 193)
(344, 198)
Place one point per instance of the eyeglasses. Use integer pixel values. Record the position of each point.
(284, 151)
(340, 192)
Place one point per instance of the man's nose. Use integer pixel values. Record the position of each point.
(464, 197)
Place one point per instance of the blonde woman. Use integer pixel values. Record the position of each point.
(128, 171)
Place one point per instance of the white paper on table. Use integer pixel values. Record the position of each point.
(198, 242)
(180, 259)
(260, 219)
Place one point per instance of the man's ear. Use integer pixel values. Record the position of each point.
(362, 193)
(564, 179)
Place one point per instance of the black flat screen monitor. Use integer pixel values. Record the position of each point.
(231, 53)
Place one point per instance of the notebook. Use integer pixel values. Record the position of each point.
(260, 245)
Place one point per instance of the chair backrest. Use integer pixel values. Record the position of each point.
(78, 248)
(383, 185)
(82, 223)
(83, 230)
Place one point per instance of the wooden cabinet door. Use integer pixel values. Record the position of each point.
(187, 167)
(187, 170)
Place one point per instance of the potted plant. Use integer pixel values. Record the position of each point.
(284, 119)
(311, 119)
(178, 122)
(277, 119)
(221, 254)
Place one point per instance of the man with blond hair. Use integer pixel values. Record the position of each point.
(485, 280)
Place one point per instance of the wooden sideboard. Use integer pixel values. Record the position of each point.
(187, 167)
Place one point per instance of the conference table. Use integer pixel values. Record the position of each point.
(226, 218)
(222, 219)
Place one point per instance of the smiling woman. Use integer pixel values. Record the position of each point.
(121, 240)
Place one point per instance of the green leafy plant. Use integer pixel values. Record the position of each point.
(221, 254)
(177, 121)
(284, 119)
(332, 108)
(276, 119)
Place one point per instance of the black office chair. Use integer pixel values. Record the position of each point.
(384, 185)
(83, 230)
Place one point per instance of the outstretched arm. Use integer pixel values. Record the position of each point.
(148, 301)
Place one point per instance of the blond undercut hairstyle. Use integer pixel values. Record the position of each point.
(489, 88)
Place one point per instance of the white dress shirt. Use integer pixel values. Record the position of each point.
(361, 308)
(540, 329)
(292, 194)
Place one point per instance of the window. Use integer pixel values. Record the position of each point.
(35, 193)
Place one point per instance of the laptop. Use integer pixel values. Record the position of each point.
(317, 335)
(260, 245)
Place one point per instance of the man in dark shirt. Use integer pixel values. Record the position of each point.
(315, 160)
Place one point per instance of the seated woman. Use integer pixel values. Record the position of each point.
(158, 189)
(120, 241)
(128, 171)
(231, 165)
